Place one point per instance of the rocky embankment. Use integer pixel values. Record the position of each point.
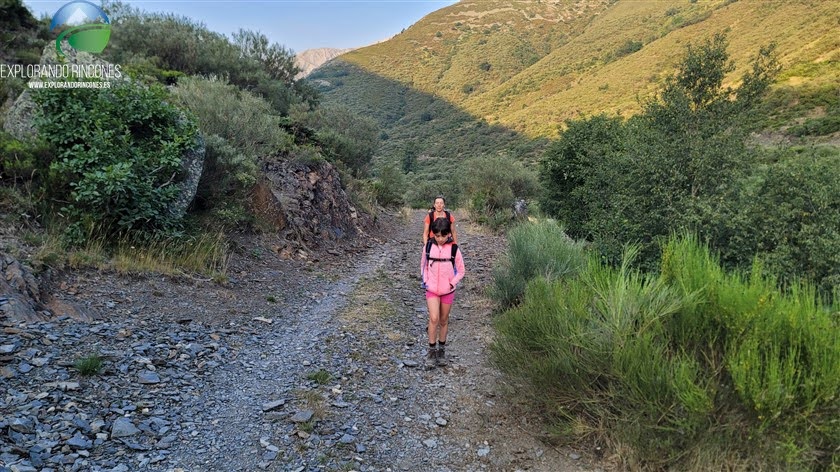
(290, 366)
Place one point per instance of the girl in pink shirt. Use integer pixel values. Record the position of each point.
(441, 268)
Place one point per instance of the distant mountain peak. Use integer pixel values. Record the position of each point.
(311, 59)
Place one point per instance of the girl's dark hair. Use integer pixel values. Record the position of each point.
(441, 226)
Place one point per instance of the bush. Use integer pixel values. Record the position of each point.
(539, 249)
(246, 121)
(389, 187)
(23, 161)
(345, 137)
(491, 186)
(421, 193)
(788, 214)
(119, 154)
(571, 165)
(676, 165)
(157, 45)
(695, 365)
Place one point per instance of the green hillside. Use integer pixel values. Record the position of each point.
(529, 65)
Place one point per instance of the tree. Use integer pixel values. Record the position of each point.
(409, 158)
(673, 166)
(569, 162)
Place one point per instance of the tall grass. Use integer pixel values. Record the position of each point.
(204, 253)
(692, 368)
(535, 249)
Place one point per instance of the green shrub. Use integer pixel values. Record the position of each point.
(676, 165)
(119, 153)
(629, 47)
(421, 192)
(693, 366)
(244, 120)
(345, 137)
(787, 214)
(88, 365)
(779, 349)
(23, 161)
(389, 187)
(822, 126)
(538, 249)
(571, 168)
(491, 186)
(240, 129)
(158, 44)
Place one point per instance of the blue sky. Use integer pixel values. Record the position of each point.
(296, 24)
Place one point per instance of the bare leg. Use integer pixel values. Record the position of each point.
(444, 320)
(434, 306)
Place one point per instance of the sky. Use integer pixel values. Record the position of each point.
(295, 24)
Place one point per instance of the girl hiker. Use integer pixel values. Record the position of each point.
(436, 212)
(441, 268)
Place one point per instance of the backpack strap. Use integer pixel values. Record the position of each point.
(428, 250)
(452, 259)
(432, 216)
(429, 258)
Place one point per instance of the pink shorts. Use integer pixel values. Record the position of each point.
(445, 299)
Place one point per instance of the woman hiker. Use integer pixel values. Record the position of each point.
(436, 212)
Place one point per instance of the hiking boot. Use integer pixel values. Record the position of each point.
(431, 359)
(440, 360)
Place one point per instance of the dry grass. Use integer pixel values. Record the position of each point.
(368, 304)
(206, 255)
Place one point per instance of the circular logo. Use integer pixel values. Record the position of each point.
(87, 27)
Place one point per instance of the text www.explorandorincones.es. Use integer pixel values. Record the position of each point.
(52, 85)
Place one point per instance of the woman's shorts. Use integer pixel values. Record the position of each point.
(445, 299)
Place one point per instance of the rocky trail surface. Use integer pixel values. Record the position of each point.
(290, 366)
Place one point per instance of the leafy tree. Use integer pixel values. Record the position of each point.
(390, 185)
(411, 152)
(277, 61)
(788, 214)
(240, 129)
(672, 166)
(491, 185)
(570, 161)
(166, 46)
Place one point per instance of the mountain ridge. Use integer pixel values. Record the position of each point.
(566, 59)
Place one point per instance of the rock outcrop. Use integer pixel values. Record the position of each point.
(23, 297)
(307, 206)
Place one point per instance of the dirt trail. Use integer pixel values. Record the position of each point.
(360, 320)
(318, 366)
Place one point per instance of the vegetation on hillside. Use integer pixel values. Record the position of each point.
(479, 79)
(531, 65)
(104, 171)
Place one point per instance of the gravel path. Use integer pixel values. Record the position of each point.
(292, 366)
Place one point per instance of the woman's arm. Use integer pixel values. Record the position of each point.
(426, 225)
(460, 269)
